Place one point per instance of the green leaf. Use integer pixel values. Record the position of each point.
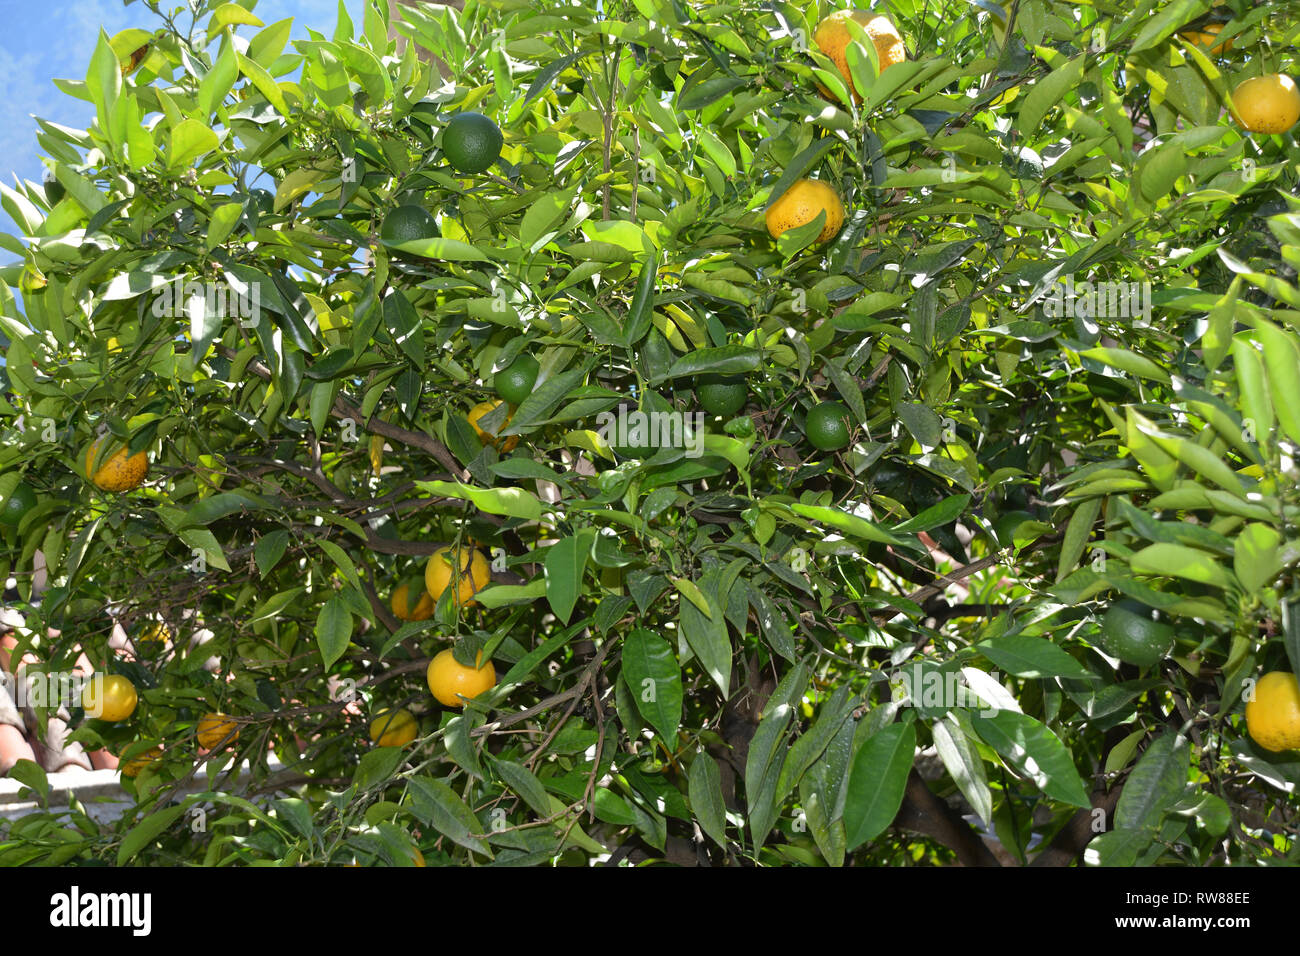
(263, 81)
(1034, 751)
(727, 360)
(448, 250)
(231, 13)
(1257, 558)
(1176, 560)
(460, 747)
(1031, 657)
(708, 638)
(377, 766)
(269, 549)
(936, 516)
(1156, 783)
(638, 314)
(499, 595)
(704, 789)
(810, 745)
(1077, 534)
(1256, 406)
(32, 775)
(207, 510)
(147, 830)
(189, 140)
(1127, 361)
(654, 679)
(514, 502)
(922, 423)
(691, 591)
(1282, 361)
(333, 630)
(342, 562)
(524, 783)
(222, 224)
(1048, 91)
(877, 782)
(543, 215)
(201, 539)
(215, 86)
(712, 89)
(565, 563)
(851, 525)
(962, 760)
(437, 805)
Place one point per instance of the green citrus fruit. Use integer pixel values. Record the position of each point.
(471, 142)
(515, 382)
(827, 426)
(406, 224)
(1135, 634)
(721, 395)
(17, 504)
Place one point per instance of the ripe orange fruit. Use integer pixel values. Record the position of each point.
(156, 633)
(409, 608)
(468, 570)
(109, 697)
(1206, 36)
(393, 728)
(449, 680)
(214, 728)
(832, 38)
(477, 412)
(117, 471)
(800, 204)
(139, 762)
(1266, 104)
(1273, 717)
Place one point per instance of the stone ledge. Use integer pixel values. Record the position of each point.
(100, 792)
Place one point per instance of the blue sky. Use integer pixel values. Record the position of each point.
(55, 38)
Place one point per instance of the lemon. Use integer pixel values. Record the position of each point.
(801, 204)
(1273, 716)
(1266, 104)
(449, 680)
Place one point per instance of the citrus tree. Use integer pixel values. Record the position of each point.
(713, 433)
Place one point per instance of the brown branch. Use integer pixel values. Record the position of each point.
(343, 409)
(924, 813)
(1069, 842)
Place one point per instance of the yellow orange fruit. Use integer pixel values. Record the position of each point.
(117, 471)
(109, 697)
(1273, 716)
(1266, 104)
(134, 766)
(393, 728)
(801, 204)
(507, 443)
(467, 569)
(409, 608)
(214, 728)
(449, 680)
(1205, 37)
(156, 633)
(832, 38)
